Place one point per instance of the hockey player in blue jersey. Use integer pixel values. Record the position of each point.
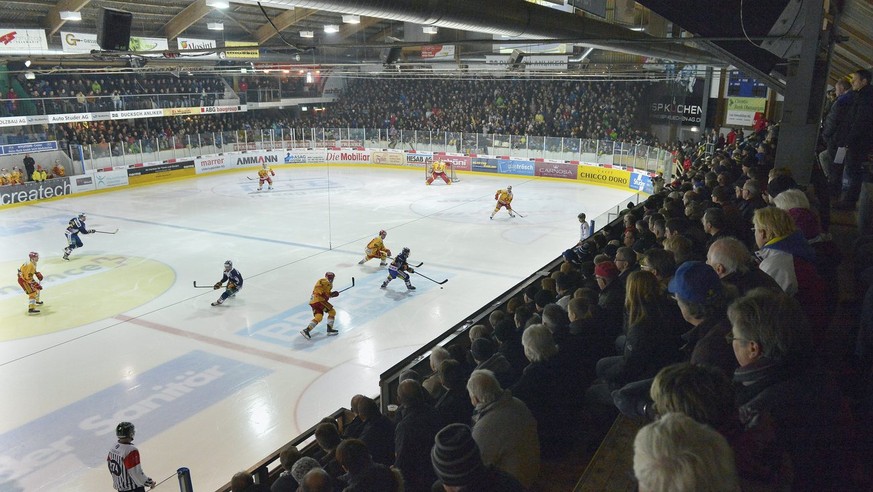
(400, 268)
(234, 282)
(75, 227)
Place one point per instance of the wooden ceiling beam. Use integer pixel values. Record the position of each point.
(186, 18)
(282, 21)
(53, 21)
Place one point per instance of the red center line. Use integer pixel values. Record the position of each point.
(225, 344)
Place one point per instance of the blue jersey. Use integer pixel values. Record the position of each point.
(76, 226)
(399, 263)
(233, 276)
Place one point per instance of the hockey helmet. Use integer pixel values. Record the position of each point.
(509, 188)
(125, 429)
(383, 234)
(228, 266)
(405, 252)
(33, 256)
(329, 275)
(82, 216)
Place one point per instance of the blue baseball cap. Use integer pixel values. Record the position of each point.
(695, 281)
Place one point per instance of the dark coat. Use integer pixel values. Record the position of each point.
(378, 434)
(706, 345)
(413, 440)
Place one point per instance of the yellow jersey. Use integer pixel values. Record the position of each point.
(439, 167)
(503, 196)
(27, 272)
(376, 244)
(15, 177)
(264, 173)
(321, 291)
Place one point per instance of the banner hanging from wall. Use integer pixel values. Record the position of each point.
(12, 39)
(78, 42)
(140, 43)
(251, 53)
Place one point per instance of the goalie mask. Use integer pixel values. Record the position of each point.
(383, 234)
(509, 188)
(228, 266)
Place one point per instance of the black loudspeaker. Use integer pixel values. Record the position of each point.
(393, 55)
(113, 29)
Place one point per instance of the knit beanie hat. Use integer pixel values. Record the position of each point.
(607, 269)
(455, 456)
(302, 467)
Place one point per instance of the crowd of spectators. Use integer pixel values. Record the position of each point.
(586, 110)
(668, 315)
(62, 93)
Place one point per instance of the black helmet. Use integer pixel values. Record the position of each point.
(125, 429)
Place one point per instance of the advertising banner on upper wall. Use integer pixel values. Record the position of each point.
(741, 110)
(521, 168)
(28, 147)
(78, 42)
(304, 156)
(348, 156)
(207, 45)
(26, 40)
(209, 164)
(250, 53)
(459, 162)
(642, 182)
(548, 169)
(140, 43)
(438, 51)
(672, 102)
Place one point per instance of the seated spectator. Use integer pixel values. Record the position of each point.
(243, 482)
(611, 299)
(328, 438)
(362, 474)
(317, 480)
(681, 247)
(413, 438)
(504, 429)
(432, 382)
(509, 344)
(286, 483)
(353, 429)
(540, 388)
(787, 257)
(458, 464)
(677, 454)
(733, 264)
(659, 263)
(454, 406)
(486, 356)
(303, 466)
(626, 262)
(377, 431)
(779, 378)
(715, 224)
(752, 199)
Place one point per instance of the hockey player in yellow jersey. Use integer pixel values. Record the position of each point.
(264, 175)
(15, 177)
(320, 304)
(28, 279)
(504, 199)
(5, 178)
(376, 249)
(438, 170)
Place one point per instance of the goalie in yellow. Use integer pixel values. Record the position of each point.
(376, 249)
(264, 175)
(438, 170)
(504, 199)
(28, 279)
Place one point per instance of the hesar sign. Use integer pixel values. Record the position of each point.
(419, 159)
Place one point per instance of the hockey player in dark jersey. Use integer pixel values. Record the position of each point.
(400, 268)
(75, 227)
(124, 464)
(234, 282)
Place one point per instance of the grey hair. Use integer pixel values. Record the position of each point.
(483, 386)
(538, 343)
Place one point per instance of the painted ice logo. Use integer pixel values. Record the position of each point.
(41, 451)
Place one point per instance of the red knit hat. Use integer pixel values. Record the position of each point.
(606, 269)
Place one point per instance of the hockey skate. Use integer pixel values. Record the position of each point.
(410, 287)
(362, 261)
(306, 334)
(33, 311)
(384, 285)
(269, 188)
(39, 303)
(217, 303)
(383, 263)
(67, 254)
(331, 331)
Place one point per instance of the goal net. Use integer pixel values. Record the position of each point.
(450, 172)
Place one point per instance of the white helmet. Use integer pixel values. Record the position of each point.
(228, 266)
(509, 188)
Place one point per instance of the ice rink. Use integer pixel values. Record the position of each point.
(123, 335)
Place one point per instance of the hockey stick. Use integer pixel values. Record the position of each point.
(107, 232)
(413, 266)
(349, 287)
(518, 213)
(203, 286)
(432, 280)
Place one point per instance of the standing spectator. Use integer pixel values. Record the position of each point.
(504, 429)
(584, 228)
(11, 101)
(858, 140)
(29, 166)
(124, 464)
(834, 132)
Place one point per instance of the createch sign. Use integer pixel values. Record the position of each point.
(31, 191)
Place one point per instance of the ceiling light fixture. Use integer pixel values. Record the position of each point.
(429, 29)
(68, 15)
(638, 29)
(215, 26)
(308, 77)
(331, 28)
(29, 75)
(217, 4)
(351, 19)
(307, 34)
(27, 63)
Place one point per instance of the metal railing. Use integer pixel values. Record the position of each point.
(110, 154)
(29, 106)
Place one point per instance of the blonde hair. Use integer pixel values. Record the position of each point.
(703, 393)
(642, 292)
(774, 221)
(680, 246)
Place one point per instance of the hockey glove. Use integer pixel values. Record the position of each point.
(231, 285)
(39, 275)
(91, 231)
(410, 270)
(388, 252)
(334, 294)
(36, 286)
(217, 286)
